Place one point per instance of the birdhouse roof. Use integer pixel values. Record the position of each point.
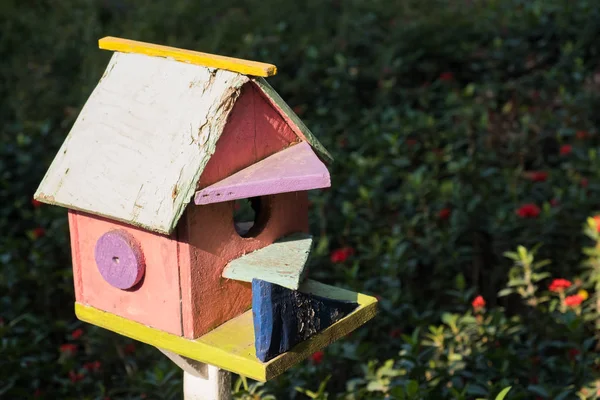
(148, 130)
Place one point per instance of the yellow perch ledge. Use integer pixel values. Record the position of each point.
(239, 65)
(231, 345)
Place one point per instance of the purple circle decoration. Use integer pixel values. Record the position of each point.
(119, 259)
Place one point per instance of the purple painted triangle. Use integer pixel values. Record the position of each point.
(293, 169)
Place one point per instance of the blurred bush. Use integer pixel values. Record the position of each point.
(460, 131)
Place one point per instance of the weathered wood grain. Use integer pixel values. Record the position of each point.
(294, 169)
(231, 345)
(155, 301)
(283, 262)
(208, 241)
(142, 141)
(283, 317)
(239, 65)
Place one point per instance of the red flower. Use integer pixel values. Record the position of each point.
(597, 219)
(38, 392)
(573, 353)
(68, 348)
(536, 176)
(411, 142)
(554, 202)
(39, 232)
(93, 366)
(478, 303)
(446, 76)
(36, 203)
(573, 301)
(566, 149)
(581, 134)
(584, 182)
(341, 255)
(77, 333)
(317, 357)
(444, 213)
(129, 349)
(394, 333)
(559, 285)
(528, 210)
(75, 376)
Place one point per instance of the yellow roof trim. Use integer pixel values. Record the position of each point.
(239, 65)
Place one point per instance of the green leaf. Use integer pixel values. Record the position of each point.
(503, 393)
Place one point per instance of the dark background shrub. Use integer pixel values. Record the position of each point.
(444, 117)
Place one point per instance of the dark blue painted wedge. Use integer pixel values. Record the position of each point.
(285, 317)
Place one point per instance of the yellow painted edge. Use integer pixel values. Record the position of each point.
(364, 313)
(193, 349)
(239, 65)
(203, 352)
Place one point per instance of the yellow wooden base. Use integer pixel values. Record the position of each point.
(231, 345)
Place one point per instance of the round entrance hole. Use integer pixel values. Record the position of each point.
(247, 216)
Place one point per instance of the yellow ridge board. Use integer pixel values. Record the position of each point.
(231, 345)
(239, 65)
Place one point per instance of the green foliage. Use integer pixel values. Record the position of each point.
(461, 130)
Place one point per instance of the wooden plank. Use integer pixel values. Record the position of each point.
(142, 140)
(292, 119)
(188, 365)
(283, 317)
(231, 345)
(294, 169)
(156, 301)
(208, 241)
(238, 65)
(282, 262)
(254, 131)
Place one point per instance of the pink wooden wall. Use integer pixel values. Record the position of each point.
(254, 131)
(154, 301)
(209, 241)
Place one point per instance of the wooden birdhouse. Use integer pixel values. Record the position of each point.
(165, 149)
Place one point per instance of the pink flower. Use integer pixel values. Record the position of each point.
(129, 349)
(446, 76)
(39, 232)
(317, 357)
(341, 255)
(478, 303)
(573, 353)
(566, 149)
(93, 366)
(68, 348)
(75, 376)
(573, 301)
(395, 333)
(528, 210)
(559, 285)
(444, 213)
(77, 333)
(582, 135)
(536, 176)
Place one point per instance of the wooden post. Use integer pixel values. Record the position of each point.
(216, 386)
(201, 381)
